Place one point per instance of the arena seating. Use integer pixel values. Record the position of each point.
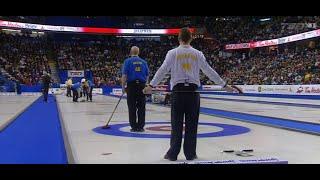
(25, 58)
(231, 30)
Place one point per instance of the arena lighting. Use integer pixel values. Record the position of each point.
(93, 30)
(266, 19)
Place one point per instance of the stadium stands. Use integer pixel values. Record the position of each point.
(25, 58)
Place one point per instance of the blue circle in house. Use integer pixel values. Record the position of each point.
(227, 130)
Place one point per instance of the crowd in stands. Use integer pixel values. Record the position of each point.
(161, 21)
(302, 67)
(231, 30)
(114, 21)
(24, 57)
(25, 19)
(105, 60)
(226, 29)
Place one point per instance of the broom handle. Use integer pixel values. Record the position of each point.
(114, 109)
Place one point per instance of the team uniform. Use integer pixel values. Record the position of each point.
(90, 88)
(75, 91)
(136, 70)
(184, 64)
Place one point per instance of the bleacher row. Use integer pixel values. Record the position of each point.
(25, 58)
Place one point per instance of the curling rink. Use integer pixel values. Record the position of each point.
(12, 106)
(285, 129)
(278, 130)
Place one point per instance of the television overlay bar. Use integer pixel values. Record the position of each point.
(94, 30)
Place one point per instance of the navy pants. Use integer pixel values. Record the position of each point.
(185, 108)
(136, 101)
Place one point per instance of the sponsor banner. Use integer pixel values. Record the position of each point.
(142, 31)
(97, 91)
(283, 40)
(72, 73)
(132, 31)
(313, 89)
(95, 30)
(116, 91)
(8, 94)
(39, 26)
(238, 46)
(211, 87)
(282, 89)
(241, 161)
(308, 89)
(273, 42)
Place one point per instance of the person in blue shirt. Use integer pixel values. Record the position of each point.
(135, 74)
(90, 88)
(75, 91)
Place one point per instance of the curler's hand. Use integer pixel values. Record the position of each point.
(147, 90)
